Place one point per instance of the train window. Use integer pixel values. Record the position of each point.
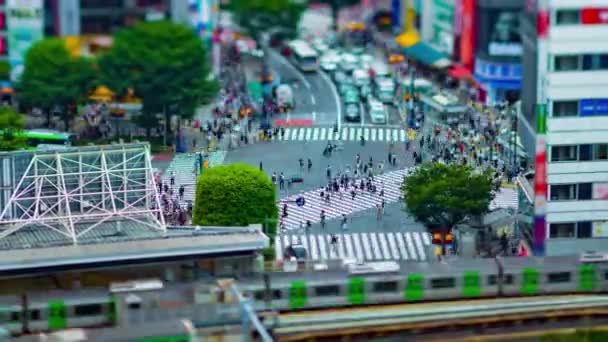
(88, 310)
(277, 294)
(561, 277)
(259, 295)
(135, 306)
(328, 290)
(15, 316)
(385, 286)
(442, 283)
(508, 279)
(606, 275)
(35, 315)
(492, 280)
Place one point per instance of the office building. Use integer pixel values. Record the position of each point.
(566, 67)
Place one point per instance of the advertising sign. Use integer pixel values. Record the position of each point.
(600, 229)
(600, 191)
(505, 38)
(592, 107)
(25, 27)
(592, 16)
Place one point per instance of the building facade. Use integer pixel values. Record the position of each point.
(498, 70)
(437, 25)
(569, 72)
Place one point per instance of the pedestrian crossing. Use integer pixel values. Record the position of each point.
(382, 134)
(372, 246)
(342, 202)
(506, 198)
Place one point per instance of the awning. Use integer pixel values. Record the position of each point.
(459, 72)
(426, 54)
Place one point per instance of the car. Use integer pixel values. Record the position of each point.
(366, 60)
(385, 89)
(351, 96)
(328, 66)
(352, 112)
(339, 77)
(345, 88)
(349, 62)
(361, 77)
(365, 90)
(396, 58)
(377, 112)
(329, 62)
(319, 45)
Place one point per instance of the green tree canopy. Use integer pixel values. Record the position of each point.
(53, 78)
(256, 16)
(11, 122)
(164, 63)
(234, 195)
(5, 70)
(441, 195)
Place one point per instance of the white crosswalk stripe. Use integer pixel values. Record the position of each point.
(373, 246)
(311, 211)
(382, 134)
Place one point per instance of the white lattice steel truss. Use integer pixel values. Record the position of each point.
(74, 192)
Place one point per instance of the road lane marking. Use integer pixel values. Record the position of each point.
(294, 134)
(373, 135)
(315, 135)
(381, 134)
(313, 100)
(344, 133)
(302, 132)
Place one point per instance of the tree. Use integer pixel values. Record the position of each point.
(5, 70)
(53, 78)
(11, 123)
(256, 16)
(234, 195)
(441, 196)
(165, 64)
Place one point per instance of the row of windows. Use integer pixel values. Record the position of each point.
(571, 108)
(584, 62)
(584, 152)
(568, 192)
(393, 286)
(79, 310)
(568, 16)
(581, 230)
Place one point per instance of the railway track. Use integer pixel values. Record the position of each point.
(441, 320)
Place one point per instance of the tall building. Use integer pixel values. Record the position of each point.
(498, 49)
(86, 17)
(566, 67)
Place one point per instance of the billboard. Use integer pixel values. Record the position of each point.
(600, 229)
(600, 191)
(594, 16)
(25, 23)
(499, 33)
(592, 107)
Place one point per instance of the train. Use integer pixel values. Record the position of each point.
(334, 284)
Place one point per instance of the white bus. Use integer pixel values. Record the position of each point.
(303, 56)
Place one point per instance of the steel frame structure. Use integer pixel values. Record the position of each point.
(73, 192)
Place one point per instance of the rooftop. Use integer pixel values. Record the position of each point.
(35, 248)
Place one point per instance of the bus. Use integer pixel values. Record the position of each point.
(303, 56)
(36, 137)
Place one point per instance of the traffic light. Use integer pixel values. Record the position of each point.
(437, 238)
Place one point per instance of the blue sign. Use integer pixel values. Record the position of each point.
(592, 107)
(396, 15)
(300, 201)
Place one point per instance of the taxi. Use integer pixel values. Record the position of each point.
(396, 58)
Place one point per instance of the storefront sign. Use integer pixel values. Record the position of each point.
(505, 38)
(25, 27)
(593, 107)
(467, 38)
(591, 16)
(600, 229)
(600, 191)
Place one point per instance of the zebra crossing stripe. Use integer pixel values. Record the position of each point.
(313, 249)
(366, 133)
(401, 245)
(308, 135)
(315, 134)
(301, 136)
(322, 249)
(359, 133)
(294, 134)
(410, 245)
(373, 134)
(393, 246)
(402, 135)
(420, 247)
(344, 134)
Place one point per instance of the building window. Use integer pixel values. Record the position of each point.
(600, 151)
(563, 192)
(567, 17)
(565, 108)
(585, 191)
(564, 153)
(566, 63)
(583, 230)
(562, 230)
(584, 152)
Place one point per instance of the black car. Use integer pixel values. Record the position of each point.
(352, 113)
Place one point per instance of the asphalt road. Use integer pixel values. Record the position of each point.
(313, 94)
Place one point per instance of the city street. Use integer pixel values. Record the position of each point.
(315, 98)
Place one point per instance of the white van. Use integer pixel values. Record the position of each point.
(284, 97)
(381, 70)
(349, 62)
(361, 77)
(385, 89)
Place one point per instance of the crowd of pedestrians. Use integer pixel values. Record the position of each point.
(173, 212)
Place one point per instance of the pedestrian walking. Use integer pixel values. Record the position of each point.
(261, 167)
(274, 178)
(281, 181)
(301, 161)
(328, 172)
(181, 192)
(322, 216)
(309, 164)
(172, 179)
(344, 221)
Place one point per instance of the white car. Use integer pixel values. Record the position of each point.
(319, 45)
(377, 112)
(349, 62)
(366, 60)
(361, 77)
(329, 62)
